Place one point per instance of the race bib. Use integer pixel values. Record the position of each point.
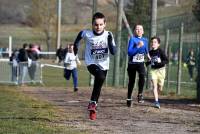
(138, 58)
(99, 54)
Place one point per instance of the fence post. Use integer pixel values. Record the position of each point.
(166, 41)
(59, 11)
(167, 52)
(10, 46)
(198, 78)
(118, 40)
(153, 30)
(125, 68)
(180, 59)
(168, 67)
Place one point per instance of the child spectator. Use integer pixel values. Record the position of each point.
(99, 43)
(191, 63)
(70, 63)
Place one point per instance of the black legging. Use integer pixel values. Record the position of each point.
(99, 77)
(190, 70)
(132, 69)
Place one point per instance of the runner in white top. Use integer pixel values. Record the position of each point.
(96, 51)
(99, 43)
(70, 62)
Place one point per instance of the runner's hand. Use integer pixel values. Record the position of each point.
(140, 44)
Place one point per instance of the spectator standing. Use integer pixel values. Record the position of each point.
(23, 63)
(14, 66)
(60, 54)
(33, 55)
(70, 62)
(191, 63)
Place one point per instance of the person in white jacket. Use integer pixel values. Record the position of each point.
(70, 63)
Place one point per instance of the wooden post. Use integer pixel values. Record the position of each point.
(125, 68)
(94, 8)
(178, 91)
(198, 70)
(153, 18)
(166, 41)
(167, 49)
(117, 56)
(125, 21)
(168, 67)
(152, 32)
(59, 23)
(198, 78)
(10, 46)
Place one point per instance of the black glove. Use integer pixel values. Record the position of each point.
(109, 37)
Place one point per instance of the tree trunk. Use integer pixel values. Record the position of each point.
(198, 78)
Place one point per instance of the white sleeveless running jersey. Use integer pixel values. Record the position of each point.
(97, 50)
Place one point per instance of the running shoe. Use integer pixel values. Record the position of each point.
(92, 109)
(140, 98)
(92, 106)
(93, 115)
(129, 102)
(75, 89)
(157, 104)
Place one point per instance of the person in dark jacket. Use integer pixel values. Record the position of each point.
(60, 54)
(23, 63)
(33, 54)
(191, 63)
(14, 66)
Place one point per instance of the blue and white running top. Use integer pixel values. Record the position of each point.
(98, 47)
(137, 55)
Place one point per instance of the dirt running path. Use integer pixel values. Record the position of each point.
(113, 117)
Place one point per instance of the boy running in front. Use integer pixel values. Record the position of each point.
(157, 72)
(99, 43)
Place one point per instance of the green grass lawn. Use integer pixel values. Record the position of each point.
(188, 88)
(20, 114)
(54, 77)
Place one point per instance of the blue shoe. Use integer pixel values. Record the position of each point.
(157, 104)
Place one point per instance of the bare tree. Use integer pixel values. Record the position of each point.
(43, 18)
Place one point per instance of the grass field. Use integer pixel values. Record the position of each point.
(20, 114)
(54, 77)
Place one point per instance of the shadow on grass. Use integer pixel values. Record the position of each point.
(185, 104)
